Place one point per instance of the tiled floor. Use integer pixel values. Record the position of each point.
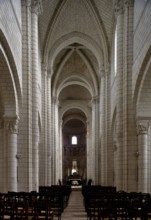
(75, 209)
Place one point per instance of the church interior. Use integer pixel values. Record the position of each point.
(75, 95)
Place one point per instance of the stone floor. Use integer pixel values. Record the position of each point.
(75, 209)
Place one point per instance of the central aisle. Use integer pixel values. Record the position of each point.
(75, 209)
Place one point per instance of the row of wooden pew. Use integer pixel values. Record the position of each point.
(45, 204)
(106, 203)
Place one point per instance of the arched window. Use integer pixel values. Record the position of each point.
(74, 140)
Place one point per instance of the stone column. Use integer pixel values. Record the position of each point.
(2, 155)
(142, 153)
(95, 133)
(53, 141)
(25, 134)
(60, 149)
(43, 154)
(49, 135)
(89, 152)
(119, 94)
(102, 173)
(57, 146)
(11, 129)
(35, 10)
(129, 128)
(108, 146)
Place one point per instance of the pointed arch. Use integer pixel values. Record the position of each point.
(12, 73)
(141, 76)
(7, 86)
(92, 87)
(89, 5)
(71, 38)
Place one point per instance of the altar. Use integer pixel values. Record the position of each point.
(74, 180)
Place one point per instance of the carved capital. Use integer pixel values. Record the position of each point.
(36, 6)
(129, 3)
(118, 7)
(95, 99)
(11, 124)
(26, 3)
(142, 127)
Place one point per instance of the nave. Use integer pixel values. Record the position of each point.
(75, 209)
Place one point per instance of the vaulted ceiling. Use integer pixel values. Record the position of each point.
(76, 40)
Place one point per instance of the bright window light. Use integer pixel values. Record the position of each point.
(74, 140)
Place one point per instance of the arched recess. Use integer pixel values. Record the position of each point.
(76, 109)
(14, 74)
(7, 87)
(141, 77)
(142, 104)
(74, 155)
(10, 96)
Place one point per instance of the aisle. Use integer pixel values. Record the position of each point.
(75, 209)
